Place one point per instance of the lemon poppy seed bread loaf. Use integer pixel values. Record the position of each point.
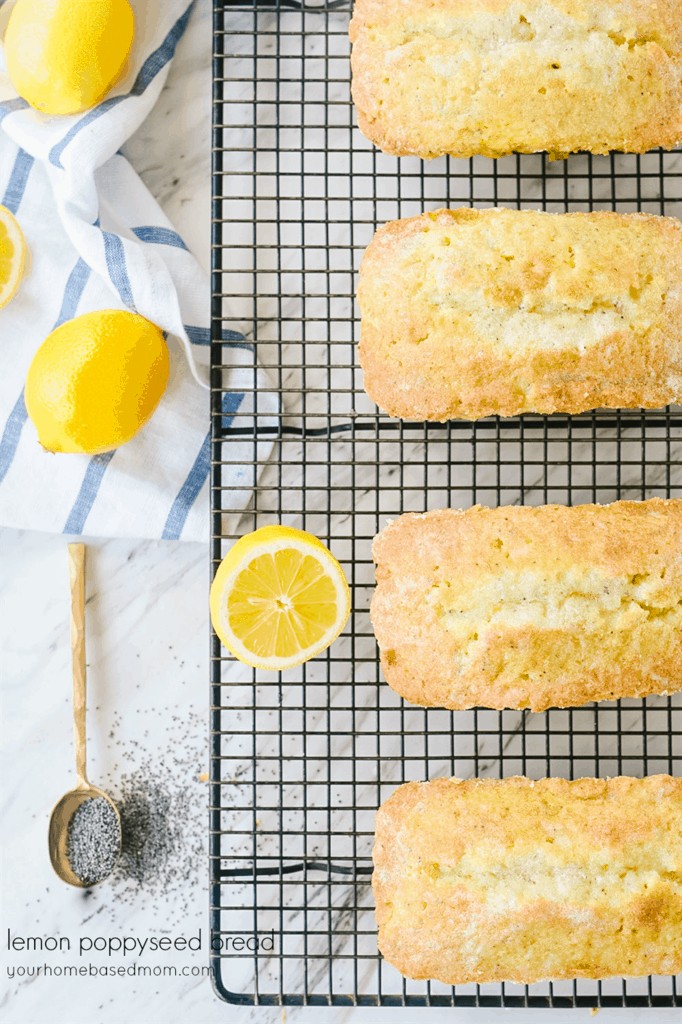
(520, 607)
(521, 881)
(490, 77)
(470, 313)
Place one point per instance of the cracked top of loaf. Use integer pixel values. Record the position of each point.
(491, 77)
(515, 880)
(521, 607)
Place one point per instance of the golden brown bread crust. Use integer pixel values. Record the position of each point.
(471, 313)
(491, 77)
(520, 607)
(514, 880)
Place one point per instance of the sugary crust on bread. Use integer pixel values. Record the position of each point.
(520, 607)
(470, 313)
(514, 880)
(492, 77)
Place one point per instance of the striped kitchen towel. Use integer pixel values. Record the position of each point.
(99, 240)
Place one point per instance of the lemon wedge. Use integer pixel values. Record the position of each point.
(279, 598)
(12, 255)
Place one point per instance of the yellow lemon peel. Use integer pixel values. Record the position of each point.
(63, 56)
(96, 380)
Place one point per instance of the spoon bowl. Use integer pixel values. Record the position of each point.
(58, 832)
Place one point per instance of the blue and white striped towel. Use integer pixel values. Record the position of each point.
(99, 240)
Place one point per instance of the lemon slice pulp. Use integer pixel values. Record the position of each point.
(279, 598)
(12, 255)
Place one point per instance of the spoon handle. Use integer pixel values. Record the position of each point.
(77, 580)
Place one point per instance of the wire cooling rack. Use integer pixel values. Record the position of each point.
(300, 763)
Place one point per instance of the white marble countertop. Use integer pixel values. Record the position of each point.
(148, 689)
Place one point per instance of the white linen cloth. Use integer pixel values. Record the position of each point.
(99, 240)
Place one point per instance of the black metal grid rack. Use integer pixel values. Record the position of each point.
(300, 763)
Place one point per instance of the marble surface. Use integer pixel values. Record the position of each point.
(148, 671)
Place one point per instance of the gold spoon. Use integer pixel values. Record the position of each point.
(67, 806)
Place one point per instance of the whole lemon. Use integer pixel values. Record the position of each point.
(63, 56)
(95, 381)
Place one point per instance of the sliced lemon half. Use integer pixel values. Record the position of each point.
(12, 255)
(279, 598)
